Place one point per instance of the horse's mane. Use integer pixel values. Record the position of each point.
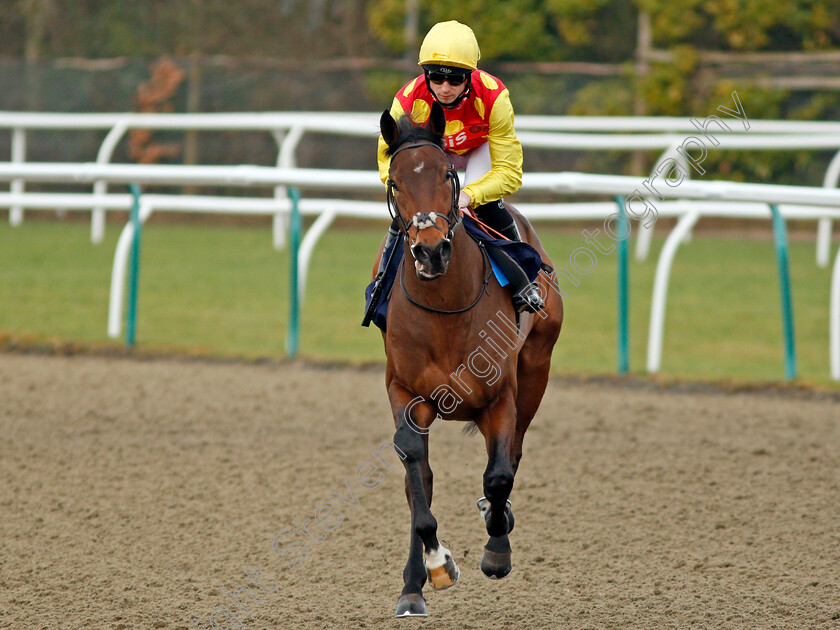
(407, 131)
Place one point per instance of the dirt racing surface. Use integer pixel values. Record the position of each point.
(175, 494)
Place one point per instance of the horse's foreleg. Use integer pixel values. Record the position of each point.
(428, 559)
(411, 602)
(440, 569)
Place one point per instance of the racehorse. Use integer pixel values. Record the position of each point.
(455, 350)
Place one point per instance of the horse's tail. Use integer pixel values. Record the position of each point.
(471, 428)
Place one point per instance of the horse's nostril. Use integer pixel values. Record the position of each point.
(444, 250)
(421, 252)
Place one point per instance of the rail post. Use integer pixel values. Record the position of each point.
(782, 258)
(134, 272)
(623, 294)
(293, 339)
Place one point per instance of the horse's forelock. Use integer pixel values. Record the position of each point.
(407, 131)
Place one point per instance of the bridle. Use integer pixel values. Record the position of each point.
(422, 220)
(487, 271)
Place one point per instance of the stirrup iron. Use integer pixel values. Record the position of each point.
(528, 300)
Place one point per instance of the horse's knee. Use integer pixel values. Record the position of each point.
(410, 443)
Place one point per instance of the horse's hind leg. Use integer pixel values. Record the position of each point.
(496, 560)
(427, 558)
(532, 378)
(532, 371)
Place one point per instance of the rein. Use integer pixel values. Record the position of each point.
(488, 270)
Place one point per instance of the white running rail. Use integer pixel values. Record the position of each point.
(288, 128)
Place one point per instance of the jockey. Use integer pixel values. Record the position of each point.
(479, 138)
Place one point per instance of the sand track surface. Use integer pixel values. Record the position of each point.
(148, 494)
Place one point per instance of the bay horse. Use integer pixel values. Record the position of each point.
(455, 350)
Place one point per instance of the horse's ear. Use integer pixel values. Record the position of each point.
(388, 127)
(437, 120)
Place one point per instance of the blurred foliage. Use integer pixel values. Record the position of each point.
(745, 24)
(530, 40)
(539, 30)
(152, 28)
(381, 85)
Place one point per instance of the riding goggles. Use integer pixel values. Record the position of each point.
(453, 78)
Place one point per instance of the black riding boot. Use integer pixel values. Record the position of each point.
(497, 217)
(384, 261)
(525, 294)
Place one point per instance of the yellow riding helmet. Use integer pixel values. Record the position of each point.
(450, 44)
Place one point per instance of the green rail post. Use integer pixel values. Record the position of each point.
(782, 258)
(134, 270)
(293, 339)
(623, 294)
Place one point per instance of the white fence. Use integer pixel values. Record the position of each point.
(719, 199)
(288, 129)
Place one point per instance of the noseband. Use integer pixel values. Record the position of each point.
(422, 220)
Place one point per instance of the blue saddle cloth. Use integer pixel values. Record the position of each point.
(527, 257)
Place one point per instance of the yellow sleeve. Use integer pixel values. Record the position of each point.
(384, 160)
(505, 175)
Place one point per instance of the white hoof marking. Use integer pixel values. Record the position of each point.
(437, 558)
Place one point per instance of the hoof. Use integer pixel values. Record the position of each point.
(484, 510)
(441, 570)
(496, 565)
(411, 605)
